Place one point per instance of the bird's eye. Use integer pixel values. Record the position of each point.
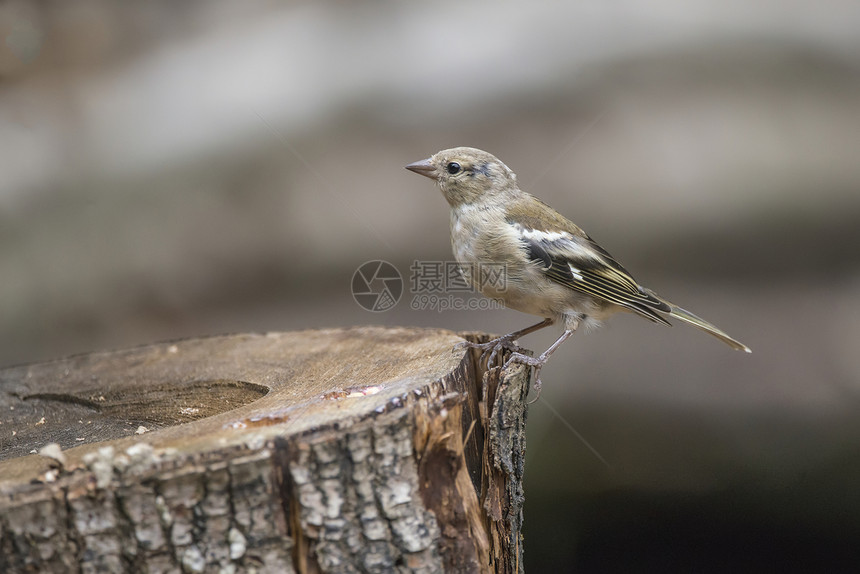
(453, 168)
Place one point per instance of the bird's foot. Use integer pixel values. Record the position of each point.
(493, 346)
(522, 359)
(536, 362)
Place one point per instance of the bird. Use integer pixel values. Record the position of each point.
(549, 266)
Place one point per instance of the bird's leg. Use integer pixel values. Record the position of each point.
(539, 362)
(505, 341)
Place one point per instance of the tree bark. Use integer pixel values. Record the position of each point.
(346, 450)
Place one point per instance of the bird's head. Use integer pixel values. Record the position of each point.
(466, 175)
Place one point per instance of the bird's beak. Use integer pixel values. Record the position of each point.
(423, 167)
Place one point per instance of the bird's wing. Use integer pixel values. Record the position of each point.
(569, 257)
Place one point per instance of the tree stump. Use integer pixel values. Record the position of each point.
(343, 450)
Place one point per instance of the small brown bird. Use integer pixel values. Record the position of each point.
(551, 267)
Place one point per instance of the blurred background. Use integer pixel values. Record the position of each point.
(173, 170)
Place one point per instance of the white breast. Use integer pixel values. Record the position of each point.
(463, 239)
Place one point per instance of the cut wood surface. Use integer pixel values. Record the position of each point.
(343, 450)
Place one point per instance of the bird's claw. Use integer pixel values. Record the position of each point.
(536, 362)
(506, 342)
(522, 359)
(493, 346)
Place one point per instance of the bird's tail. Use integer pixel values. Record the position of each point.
(673, 310)
(700, 323)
